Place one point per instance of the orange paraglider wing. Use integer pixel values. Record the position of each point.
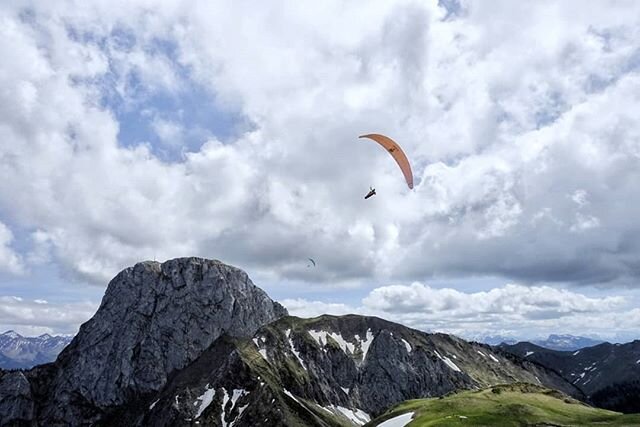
(397, 153)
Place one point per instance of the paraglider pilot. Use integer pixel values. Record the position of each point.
(372, 192)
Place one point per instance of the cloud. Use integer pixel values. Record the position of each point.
(304, 308)
(10, 261)
(169, 132)
(31, 317)
(511, 310)
(522, 301)
(519, 121)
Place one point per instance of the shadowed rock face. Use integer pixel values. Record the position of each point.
(154, 319)
(16, 403)
(609, 374)
(324, 372)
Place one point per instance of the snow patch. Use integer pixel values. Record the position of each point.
(321, 338)
(482, 354)
(344, 344)
(399, 421)
(357, 416)
(225, 399)
(237, 394)
(153, 404)
(576, 353)
(294, 351)
(407, 345)
(12, 334)
(262, 351)
(638, 361)
(346, 390)
(493, 358)
(529, 353)
(366, 343)
(448, 361)
(204, 400)
(288, 393)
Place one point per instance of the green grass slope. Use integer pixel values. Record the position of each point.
(507, 405)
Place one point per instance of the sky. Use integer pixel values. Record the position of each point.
(141, 130)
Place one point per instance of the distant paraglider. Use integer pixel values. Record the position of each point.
(372, 192)
(312, 262)
(396, 152)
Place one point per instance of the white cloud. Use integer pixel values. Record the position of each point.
(303, 308)
(169, 132)
(522, 301)
(504, 110)
(31, 317)
(580, 197)
(10, 261)
(510, 310)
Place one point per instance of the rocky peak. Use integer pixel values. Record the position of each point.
(12, 334)
(154, 319)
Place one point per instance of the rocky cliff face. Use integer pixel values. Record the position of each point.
(16, 401)
(154, 320)
(328, 371)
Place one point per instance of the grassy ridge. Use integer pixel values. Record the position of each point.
(507, 405)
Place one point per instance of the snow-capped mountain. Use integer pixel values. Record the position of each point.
(554, 341)
(20, 352)
(566, 342)
(495, 339)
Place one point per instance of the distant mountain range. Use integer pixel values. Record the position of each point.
(608, 374)
(566, 342)
(554, 342)
(19, 352)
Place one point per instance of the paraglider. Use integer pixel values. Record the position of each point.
(312, 261)
(372, 192)
(396, 152)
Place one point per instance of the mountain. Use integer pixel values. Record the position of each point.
(194, 342)
(154, 320)
(505, 405)
(565, 342)
(495, 339)
(601, 371)
(554, 342)
(326, 371)
(18, 352)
